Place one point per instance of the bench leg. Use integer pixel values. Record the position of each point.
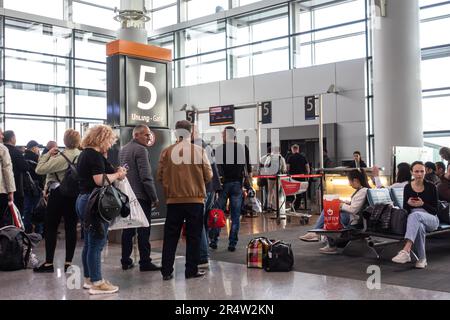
(414, 255)
(359, 247)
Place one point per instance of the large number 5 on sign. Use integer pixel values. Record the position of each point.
(142, 83)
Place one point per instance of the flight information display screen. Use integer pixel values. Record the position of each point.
(221, 115)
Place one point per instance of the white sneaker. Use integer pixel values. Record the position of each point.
(310, 237)
(421, 264)
(402, 257)
(328, 250)
(103, 287)
(87, 283)
(203, 265)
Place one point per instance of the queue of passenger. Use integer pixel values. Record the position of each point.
(190, 189)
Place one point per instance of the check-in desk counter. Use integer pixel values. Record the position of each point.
(336, 181)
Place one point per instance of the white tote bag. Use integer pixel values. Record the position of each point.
(136, 218)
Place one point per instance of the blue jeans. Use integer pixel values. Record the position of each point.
(204, 255)
(92, 257)
(29, 203)
(345, 220)
(419, 223)
(81, 205)
(232, 190)
(93, 245)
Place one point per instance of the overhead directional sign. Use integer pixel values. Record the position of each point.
(266, 112)
(310, 108)
(190, 116)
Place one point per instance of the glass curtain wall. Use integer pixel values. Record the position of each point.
(435, 43)
(282, 37)
(52, 78)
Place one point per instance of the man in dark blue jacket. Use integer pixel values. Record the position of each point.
(135, 156)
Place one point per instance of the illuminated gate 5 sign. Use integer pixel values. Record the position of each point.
(146, 93)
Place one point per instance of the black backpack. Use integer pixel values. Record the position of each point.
(30, 186)
(15, 249)
(443, 212)
(69, 186)
(279, 257)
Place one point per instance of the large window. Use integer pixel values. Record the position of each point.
(46, 8)
(53, 78)
(435, 69)
(200, 8)
(93, 15)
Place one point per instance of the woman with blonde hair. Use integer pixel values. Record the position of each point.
(54, 165)
(92, 167)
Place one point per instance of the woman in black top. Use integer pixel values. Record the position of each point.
(420, 199)
(92, 167)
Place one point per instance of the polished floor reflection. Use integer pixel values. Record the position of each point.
(223, 281)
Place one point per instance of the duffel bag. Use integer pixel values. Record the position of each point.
(399, 220)
(257, 250)
(279, 257)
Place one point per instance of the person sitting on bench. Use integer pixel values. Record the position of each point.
(402, 178)
(348, 210)
(420, 199)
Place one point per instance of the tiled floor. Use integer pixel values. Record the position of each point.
(223, 281)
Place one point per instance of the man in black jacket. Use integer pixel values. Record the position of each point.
(20, 167)
(233, 161)
(134, 156)
(33, 186)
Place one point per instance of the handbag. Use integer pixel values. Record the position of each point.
(110, 201)
(11, 216)
(39, 212)
(136, 218)
(257, 250)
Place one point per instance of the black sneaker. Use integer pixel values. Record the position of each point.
(67, 266)
(231, 249)
(44, 269)
(149, 267)
(213, 245)
(127, 266)
(170, 276)
(200, 273)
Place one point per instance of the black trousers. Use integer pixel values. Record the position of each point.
(176, 215)
(59, 206)
(143, 235)
(5, 216)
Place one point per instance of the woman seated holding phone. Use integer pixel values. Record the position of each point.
(420, 199)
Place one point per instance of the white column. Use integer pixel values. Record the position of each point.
(397, 82)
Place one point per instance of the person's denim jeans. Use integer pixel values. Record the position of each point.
(419, 223)
(204, 255)
(81, 205)
(232, 190)
(345, 220)
(29, 203)
(92, 262)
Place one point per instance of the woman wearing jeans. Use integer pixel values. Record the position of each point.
(420, 199)
(92, 166)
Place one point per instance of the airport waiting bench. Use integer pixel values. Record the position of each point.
(370, 240)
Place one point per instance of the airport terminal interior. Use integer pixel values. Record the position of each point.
(330, 98)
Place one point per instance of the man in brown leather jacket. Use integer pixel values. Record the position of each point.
(183, 170)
